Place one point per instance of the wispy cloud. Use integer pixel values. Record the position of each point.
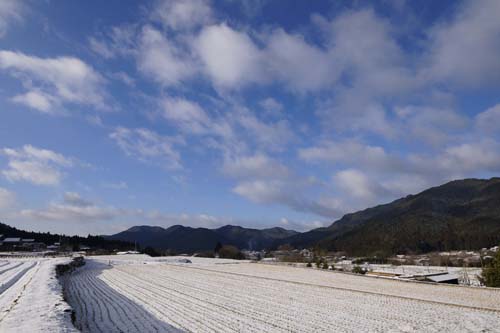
(53, 81)
(35, 165)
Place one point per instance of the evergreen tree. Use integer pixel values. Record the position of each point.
(491, 274)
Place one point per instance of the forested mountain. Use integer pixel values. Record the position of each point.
(186, 239)
(462, 214)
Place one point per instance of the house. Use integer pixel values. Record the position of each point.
(306, 254)
(449, 278)
(387, 275)
(12, 240)
(30, 244)
(10, 243)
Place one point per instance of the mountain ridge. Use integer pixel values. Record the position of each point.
(460, 214)
(189, 239)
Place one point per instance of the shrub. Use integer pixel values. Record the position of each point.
(491, 274)
(205, 254)
(358, 270)
(230, 252)
(151, 252)
(309, 264)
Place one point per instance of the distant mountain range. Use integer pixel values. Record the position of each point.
(186, 239)
(462, 214)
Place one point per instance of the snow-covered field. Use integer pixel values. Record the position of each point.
(139, 294)
(31, 297)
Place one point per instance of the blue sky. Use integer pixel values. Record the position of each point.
(256, 113)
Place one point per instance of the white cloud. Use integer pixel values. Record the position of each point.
(272, 106)
(465, 50)
(287, 193)
(230, 58)
(270, 135)
(265, 180)
(371, 175)
(233, 131)
(188, 115)
(299, 65)
(74, 199)
(183, 15)
(373, 68)
(163, 59)
(37, 100)
(471, 157)
(457, 161)
(63, 79)
(34, 165)
(358, 185)
(489, 120)
(10, 10)
(73, 209)
(123, 77)
(350, 152)
(430, 124)
(7, 199)
(148, 146)
(254, 166)
(101, 48)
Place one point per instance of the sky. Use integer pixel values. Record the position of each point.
(254, 113)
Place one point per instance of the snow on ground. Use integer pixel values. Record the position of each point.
(472, 273)
(31, 297)
(459, 295)
(165, 295)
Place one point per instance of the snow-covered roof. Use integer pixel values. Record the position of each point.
(28, 240)
(442, 277)
(12, 240)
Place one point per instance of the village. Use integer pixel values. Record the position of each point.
(458, 267)
(29, 247)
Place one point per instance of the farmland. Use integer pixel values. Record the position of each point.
(31, 298)
(138, 294)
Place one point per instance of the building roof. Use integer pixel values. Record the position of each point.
(28, 240)
(12, 240)
(442, 277)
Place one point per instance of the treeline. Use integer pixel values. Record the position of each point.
(74, 242)
(414, 235)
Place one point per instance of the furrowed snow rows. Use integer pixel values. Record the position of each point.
(484, 298)
(168, 298)
(30, 297)
(100, 308)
